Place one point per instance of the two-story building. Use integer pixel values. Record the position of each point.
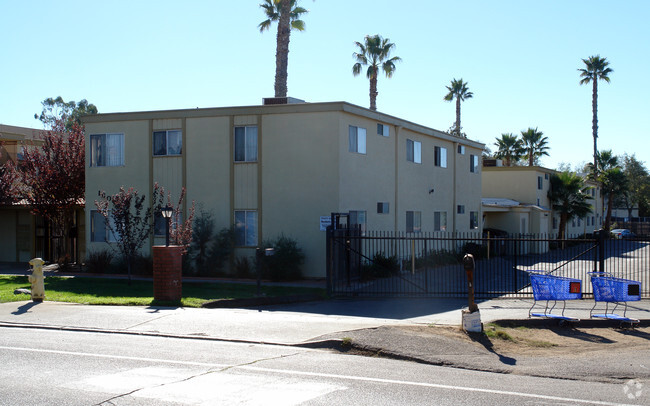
(515, 199)
(279, 168)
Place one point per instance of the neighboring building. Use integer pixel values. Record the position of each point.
(515, 199)
(24, 236)
(277, 169)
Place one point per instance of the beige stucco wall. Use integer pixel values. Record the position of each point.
(304, 169)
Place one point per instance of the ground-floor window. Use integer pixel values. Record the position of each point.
(246, 228)
(413, 221)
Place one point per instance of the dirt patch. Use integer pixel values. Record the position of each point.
(544, 341)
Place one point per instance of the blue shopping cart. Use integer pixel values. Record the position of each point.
(610, 289)
(551, 287)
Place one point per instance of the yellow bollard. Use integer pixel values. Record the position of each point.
(37, 280)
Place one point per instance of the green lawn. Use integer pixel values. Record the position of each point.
(100, 291)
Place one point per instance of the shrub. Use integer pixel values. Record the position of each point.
(222, 248)
(140, 265)
(243, 268)
(202, 233)
(381, 266)
(286, 262)
(99, 261)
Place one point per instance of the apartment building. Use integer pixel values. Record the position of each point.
(281, 169)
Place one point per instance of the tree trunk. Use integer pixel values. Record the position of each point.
(594, 123)
(608, 218)
(562, 226)
(373, 92)
(282, 49)
(458, 115)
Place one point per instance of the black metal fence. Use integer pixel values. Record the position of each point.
(422, 264)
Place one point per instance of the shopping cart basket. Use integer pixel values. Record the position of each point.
(610, 289)
(550, 287)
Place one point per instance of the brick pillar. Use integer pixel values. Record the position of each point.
(167, 273)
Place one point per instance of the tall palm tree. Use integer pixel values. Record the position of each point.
(595, 68)
(374, 53)
(569, 198)
(535, 146)
(459, 91)
(287, 14)
(510, 149)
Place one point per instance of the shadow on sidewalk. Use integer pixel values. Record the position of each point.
(24, 308)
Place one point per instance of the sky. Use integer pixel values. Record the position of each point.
(519, 58)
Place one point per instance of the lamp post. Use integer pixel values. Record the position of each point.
(167, 214)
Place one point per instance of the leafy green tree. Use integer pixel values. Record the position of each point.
(509, 148)
(287, 14)
(459, 91)
(613, 181)
(534, 144)
(638, 180)
(569, 197)
(596, 68)
(70, 112)
(374, 53)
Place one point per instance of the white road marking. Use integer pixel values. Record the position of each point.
(323, 375)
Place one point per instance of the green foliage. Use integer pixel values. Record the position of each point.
(374, 53)
(381, 266)
(436, 258)
(286, 262)
(243, 268)
(534, 146)
(222, 248)
(569, 198)
(99, 261)
(70, 112)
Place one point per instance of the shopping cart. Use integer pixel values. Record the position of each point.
(550, 287)
(610, 289)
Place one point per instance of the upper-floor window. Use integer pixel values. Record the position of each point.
(473, 163)
(383, 130)
(383, 207)
(460, 209)
(357, 139)
(246, 144)
(413, 221)
(106, 149)
(440, 157)
(461, 149)
(414, 151)
(540, 183)
(167, 142)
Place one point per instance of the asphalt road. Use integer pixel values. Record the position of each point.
(42, 367)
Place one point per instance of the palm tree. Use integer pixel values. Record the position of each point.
(287, 14)
(568, 196)
(459, 91)
(595, 68)
(510, 148)
(375, 51)
(535, 146)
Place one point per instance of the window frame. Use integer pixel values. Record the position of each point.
(385, 130)
(246, 223)
(415, 225)
(540, 183)
(413, 151)
(167, 133)
(461, 149)
(460, 209)
(104, 150)
(357, 140)
(473, 163)
(247, 149)
(440, 157)
(383, 207)
(440, 221)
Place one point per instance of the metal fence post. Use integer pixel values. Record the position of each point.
(329, 258)
(601, 250)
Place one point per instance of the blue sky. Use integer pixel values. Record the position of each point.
(520, 59)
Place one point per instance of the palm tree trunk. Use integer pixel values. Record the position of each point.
(282, 49)
(594, 122)
(373, 92)
(562, 226)
(608, 218)
(458, 115)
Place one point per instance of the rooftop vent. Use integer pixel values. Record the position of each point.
(281, 100)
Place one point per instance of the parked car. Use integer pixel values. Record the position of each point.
(622, 233)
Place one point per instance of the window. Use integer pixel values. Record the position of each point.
(413, 151)
(579, 222)
(461, 149)
(460, 209)
(540, 183)
(106, 149)
(473, 163)
(358, 218)
(440, 157)
(167, 142)
(413, 221)
(98, 230)
(440, 221)
(573, 222)
(593, 192)
(357, 140)
(246, 144)
(246, 228)
(554, 223)
(383, 130)
(473, 220)
(593, 221)
(382, 207)
(546, 176)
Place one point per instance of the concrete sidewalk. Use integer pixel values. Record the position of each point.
(289, 324)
